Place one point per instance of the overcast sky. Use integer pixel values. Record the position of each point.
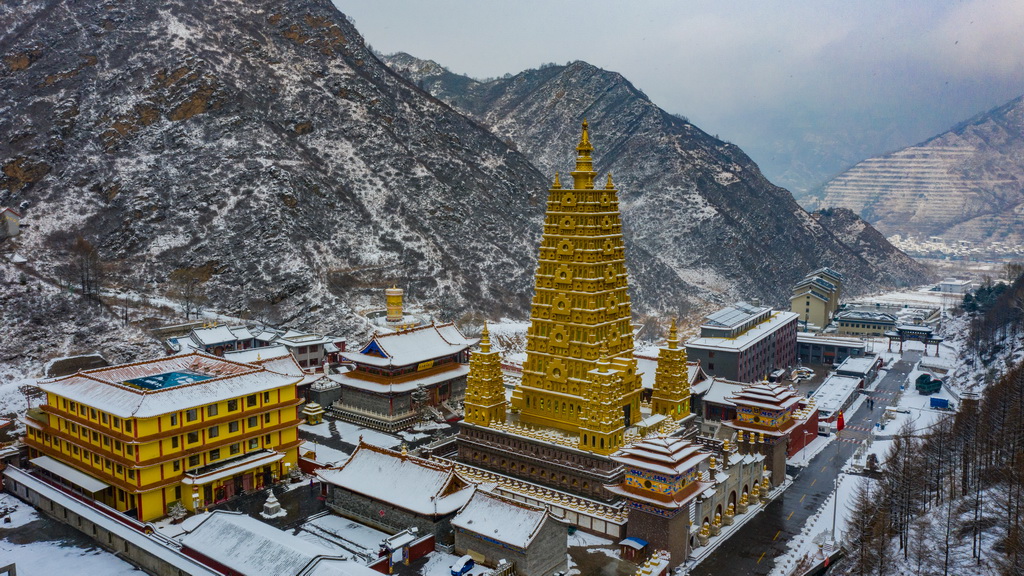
(902, 69)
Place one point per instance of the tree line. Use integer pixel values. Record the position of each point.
(949, 500)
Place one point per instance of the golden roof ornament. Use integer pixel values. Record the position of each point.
(673, 334)
(584, 145)
(558, 181)
(485, 339)
(609, 185)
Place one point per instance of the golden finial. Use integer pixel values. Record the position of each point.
(485, 339)
(405, 450)
(558, 182)
(259, 356)
(609, 185)
(673, 335)
(584, 145)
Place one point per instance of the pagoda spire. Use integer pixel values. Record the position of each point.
(485, 339)
(580, 317)
(583, 175)
(485, 387)
(671, 394)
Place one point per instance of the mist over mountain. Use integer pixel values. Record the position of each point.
(964, 184)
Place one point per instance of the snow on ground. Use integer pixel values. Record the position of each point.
(581, 538)
(351, 433)
(343, 534)
(807, 453)
(439, 564)
(804, 545)
(48, 558)
(12, 400)
(324, 454)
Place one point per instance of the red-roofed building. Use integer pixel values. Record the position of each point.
(769, 418)
(663, 476)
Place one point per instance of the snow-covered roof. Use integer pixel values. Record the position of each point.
(249, 546)
(502, 519)
(217, 335)
(229, 468)
(807, 291)
(834, 391)
(11, 210)
(415, 484)
(858, 365)
(864, 316)
(746, 339)
(720, 390)
(355, 379)
(72, 475)
(666, 455)
(106, 389)
(766, 395)
(254, 355)
(647, 367)
(411, 346)
(813, 338)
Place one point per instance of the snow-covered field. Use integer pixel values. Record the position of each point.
(53, 557)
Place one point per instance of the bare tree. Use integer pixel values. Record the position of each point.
(187, 285)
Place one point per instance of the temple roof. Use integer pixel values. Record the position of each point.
(501, 518)
(165, 385)
(411, 346)
(766, 395)
(665, 455)
(415, 484)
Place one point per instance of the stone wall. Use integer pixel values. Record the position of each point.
(544, 556)
(561, 468)
(387, 517)
(127, 543)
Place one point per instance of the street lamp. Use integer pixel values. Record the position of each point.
(807, 455)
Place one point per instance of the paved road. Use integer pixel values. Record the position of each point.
(751, 550)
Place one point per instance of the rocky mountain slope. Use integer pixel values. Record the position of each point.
(260, 143)
(700, 205)
(967, 183)
(263, 147)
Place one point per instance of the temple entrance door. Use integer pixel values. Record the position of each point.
(239, 484)
(626, 412)
(207, 493)
(247, 482)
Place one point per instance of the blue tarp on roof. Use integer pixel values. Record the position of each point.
(633, 542)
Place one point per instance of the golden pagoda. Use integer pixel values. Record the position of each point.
(580, 306)
(671, 394)
(580, 390)
(485, 389)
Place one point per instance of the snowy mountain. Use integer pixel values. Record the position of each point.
(696, 203)
(263, 146)
(261, 142)
(964, 184)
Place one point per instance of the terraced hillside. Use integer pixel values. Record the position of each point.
(967, 183)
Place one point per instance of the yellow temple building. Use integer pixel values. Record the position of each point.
(191, 429)
(580, 391)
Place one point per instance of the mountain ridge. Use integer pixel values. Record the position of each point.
(961, 184)
(664, 163)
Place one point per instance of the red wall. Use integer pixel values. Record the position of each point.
(803, 434)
